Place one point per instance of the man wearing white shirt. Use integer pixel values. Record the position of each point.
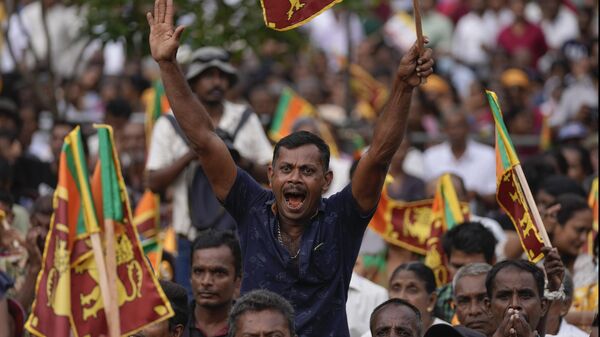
(474, 162)
(171, 163)
(556, 325)
(363, 297)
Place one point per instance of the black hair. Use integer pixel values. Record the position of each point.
(471, 238)
(584, 157)
(536, 169)
(6, 198)
(257, 301)
(569, 204)
(524, 265)
(178, 298)
(423, 272)
(558, 184)
(119, 108)
(559, 159)
(213, 238)
(6, 173)
(9, 109)
(300, 138)
(397, 302)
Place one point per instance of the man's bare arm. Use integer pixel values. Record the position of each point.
(190, 113)
(158, 180)
(389, 129)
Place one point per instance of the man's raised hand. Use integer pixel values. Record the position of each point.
(164, 38)
(414, 67)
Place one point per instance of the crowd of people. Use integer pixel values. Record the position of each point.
(290, 216)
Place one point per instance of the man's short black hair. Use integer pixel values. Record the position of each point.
(569, 204)
(524, 265)
(397, 302)
(470, 238)
(178, 298)
(556, 185)
(119, 108)
(261, 300)
(213, 238)
(300, 138)
(8, 109)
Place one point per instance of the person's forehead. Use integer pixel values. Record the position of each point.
(396, 315)
(265, 321)
(213, 256)
(470, 285)
(466, 258)
(305, 154)
(512, 278)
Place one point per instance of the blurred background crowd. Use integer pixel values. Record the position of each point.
(61, 65)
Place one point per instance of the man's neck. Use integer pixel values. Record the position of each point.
(211, 320)
(458, 149)
(215, 111)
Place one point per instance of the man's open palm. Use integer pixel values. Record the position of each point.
(164, 38)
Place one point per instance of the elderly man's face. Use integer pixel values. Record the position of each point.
(514, 288)
(469, 300)
(395, 321)
(262, 324)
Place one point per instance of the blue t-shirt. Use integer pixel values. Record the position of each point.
(316, 282)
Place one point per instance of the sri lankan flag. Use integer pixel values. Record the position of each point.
(406, 224)
(588, 248)
(156, 103)
(68, 263)
(140, 298)
(286, 15)
(509, 193)
(146, 219)
(371, 94)
(292, 106)
(447, 212)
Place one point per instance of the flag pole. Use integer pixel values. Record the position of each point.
(102, 281)
(419, 30)
(111, 266)
(532, 205)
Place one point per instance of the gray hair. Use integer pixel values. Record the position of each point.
(261, 300)
(473, 269)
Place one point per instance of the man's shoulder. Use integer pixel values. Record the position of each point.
(480, 148)
(436, 150)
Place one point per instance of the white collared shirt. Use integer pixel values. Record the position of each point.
(363, 297)
(167, 146)
(476, 167)
(568, 330)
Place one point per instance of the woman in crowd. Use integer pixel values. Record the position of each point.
(414, 282)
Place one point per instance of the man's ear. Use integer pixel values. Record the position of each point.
(270, 173)
(328, 180)
(487, 303)
(177, 330)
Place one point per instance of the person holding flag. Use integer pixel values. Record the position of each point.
(294, 242)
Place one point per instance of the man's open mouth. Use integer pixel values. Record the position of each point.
(294, 199)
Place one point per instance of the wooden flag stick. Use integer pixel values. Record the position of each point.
(102, 281)
(419, 30)
(532, 206)
(111, 272)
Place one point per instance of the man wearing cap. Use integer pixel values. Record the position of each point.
(171, 163)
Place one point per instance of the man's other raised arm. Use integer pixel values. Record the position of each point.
(369, 176)
(190, 113)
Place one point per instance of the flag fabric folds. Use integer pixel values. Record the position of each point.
(67, 253)
(134, 276)
(147, 221)
(286, 15)
(447, 212)
(157, 104)
(406, 224)
(292, 106)
(68, 298)
(510, 188)
(588, 247)
(371, 94)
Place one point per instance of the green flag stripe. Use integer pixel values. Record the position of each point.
(159, 91)
(507, 145)
(502, 151)
(282, 108)
(111, 196)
